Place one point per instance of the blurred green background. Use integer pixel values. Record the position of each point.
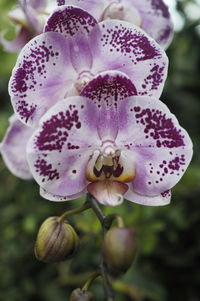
(168, 262)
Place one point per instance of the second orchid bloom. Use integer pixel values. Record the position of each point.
(88, 95)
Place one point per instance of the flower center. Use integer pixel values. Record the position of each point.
(82, 80)
(120, 11)
(110, 163)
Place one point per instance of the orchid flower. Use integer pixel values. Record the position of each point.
(151, 15)
(29, 16)
(109, 145)
(13, 148)
(73, 50)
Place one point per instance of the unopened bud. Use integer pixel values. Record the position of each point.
(56, 241)
(119, 249)
(82, 295)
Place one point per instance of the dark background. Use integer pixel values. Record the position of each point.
(167, 267)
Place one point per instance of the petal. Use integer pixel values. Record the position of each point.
(38, 4)
(37, 81)
(13, 148)
(94, 7)
(151, 15)
(74, 24)
(161, 148)
(57, 198)
(155, 18)
(60, 148)
(158, 200)
(106, 90)
(109, 193)
(23, 36)
(118, 45)
(31, 16)
(69, 20)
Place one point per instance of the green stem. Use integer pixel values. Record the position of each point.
(112, 217)
(74, 211)
(109, 294)
(95, 207)
(87, 284)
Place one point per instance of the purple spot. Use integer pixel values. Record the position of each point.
(60, 2)
(30, 76)
(160, 128)
(44, 169)
(160, 5)
(109, 89)
(165, 193)
(55, 131)
(164, 34)
(137, 45)
(69, 21)
(155, 78)
(25, 110)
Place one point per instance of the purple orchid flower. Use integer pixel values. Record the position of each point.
(151, 15)
(112, 146)
(30, 17)
(74, 50)
(13, 148)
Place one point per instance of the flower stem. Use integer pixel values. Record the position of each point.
(74, 211)
(109, 294)
(95, 207)
(113, 217)
(87, 284)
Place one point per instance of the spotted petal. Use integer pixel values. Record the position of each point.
(74, 24)
(158, 200)
(161, 148)
(94, 7)
(36, 82)
(151, 15)
(118, 45)
(59, 150)
(38, 4)
(156, 20)
(106, 90)
(58, 198)
(13, 148)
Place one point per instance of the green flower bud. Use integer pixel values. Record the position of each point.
(56, 241)
(81, 295)
(119, 249)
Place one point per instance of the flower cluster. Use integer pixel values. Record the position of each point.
(87, 112)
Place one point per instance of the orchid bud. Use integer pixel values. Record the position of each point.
(82, 295)
(56, 241)
(119, 249)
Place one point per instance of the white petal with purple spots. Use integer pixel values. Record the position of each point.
(156, 20)
(57, 198)
(106, 90)
(75, 25)
(118, 45)
(161, 148)
(59, 150)
(158, 200)
(69, 20)
(94, 7)
(151, 15)
(37, 81)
